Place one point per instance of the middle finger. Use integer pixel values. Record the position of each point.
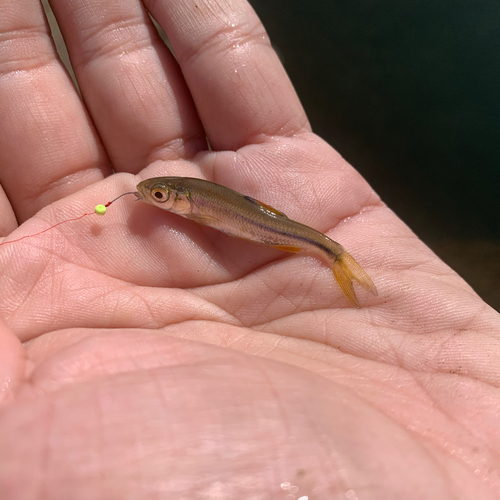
(130, 82)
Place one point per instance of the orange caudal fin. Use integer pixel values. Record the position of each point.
(346, 269)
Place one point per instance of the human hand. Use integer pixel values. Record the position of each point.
(161, 359)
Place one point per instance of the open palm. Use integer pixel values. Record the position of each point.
(144, 356)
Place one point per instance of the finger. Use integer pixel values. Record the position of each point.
(7, 217)
(13, 364)
(239, 86)
(48, 147)
(130, 81)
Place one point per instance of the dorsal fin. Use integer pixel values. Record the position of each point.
(267, 208)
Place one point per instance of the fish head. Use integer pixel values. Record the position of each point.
(168, 193)
(156, 191)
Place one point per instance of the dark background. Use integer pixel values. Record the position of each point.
(409, 93)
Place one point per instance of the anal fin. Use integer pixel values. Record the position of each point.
(288, 248)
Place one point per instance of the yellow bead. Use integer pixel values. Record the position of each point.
(100, 209)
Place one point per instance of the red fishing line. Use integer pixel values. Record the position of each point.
(99, 210)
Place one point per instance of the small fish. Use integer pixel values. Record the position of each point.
(217, 206)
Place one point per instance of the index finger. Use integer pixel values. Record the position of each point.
(48, 146)
(237, 81)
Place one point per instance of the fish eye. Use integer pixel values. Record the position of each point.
(160, 194)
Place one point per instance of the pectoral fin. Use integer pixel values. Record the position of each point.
(204, 220)
(267, 208)
(288, 248)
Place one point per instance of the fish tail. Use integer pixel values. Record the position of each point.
(346, 269)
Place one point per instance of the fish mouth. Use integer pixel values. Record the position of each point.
(138, 195)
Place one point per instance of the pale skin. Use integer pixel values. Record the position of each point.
(145, 357)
